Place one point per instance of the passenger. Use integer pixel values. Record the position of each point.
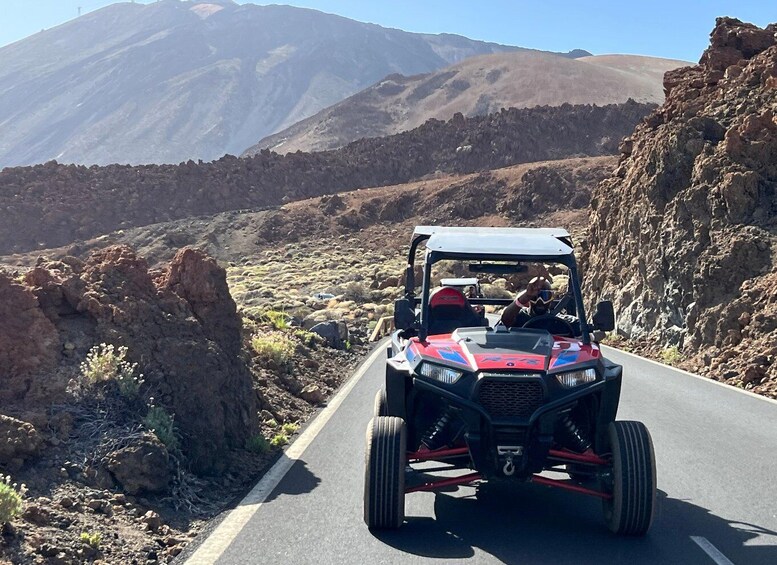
(534, 301)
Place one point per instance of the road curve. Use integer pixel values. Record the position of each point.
(717, 500)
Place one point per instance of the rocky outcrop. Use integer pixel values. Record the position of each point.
(683, 235)
(52, 205)
(181, 327)
(29, 342)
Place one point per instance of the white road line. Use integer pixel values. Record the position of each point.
(218, 541)
(711, 550)
(694, 375)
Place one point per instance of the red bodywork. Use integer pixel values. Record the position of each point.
(566, 351)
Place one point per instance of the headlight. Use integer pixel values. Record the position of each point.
(443, 374)
(577, 378)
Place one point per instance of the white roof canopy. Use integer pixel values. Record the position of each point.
(497, 241)
(429, 230)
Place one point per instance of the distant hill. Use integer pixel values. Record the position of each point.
(171, 81)
(476, 86)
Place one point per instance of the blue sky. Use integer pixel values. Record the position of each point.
(676, 29)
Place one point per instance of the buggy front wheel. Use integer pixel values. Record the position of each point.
(384, 473)
(632, 481)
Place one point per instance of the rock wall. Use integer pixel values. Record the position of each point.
(52, 205)
(683, 236)
(180, 325)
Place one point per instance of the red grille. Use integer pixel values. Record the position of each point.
(510, 398)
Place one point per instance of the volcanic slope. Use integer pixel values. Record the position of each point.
(169, 81)
(51, 205)
(684, 235)
(476, 86)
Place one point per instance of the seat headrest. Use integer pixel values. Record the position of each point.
(447, 296)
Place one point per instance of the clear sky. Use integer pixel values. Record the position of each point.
(676, 29)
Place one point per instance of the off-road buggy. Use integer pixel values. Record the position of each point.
(468, 401)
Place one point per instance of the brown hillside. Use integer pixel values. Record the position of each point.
(475, 86)
(52, 205)
(684, 234)
(555, 192)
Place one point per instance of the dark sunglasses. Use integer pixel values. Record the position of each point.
(545, 295)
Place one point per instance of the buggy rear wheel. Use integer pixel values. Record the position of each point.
(384, 473)
(630, 511)
(380, 408)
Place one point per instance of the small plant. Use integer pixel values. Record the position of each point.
(105, 363)
(278, 320)
(279, 440)
(357, 292)
(11, 499)
(159, 421)
(92, 540)
(289, 428)
(257, 444)
(308, 339)
(671, 355)
(275, 348)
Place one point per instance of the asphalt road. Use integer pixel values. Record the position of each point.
(716, 451)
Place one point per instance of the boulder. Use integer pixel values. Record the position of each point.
(334, 332)
(141, 468)
(19, 441)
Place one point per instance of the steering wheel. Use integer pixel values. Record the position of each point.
(548, 321)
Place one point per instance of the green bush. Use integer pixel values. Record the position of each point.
(92, 540)
(105, 363)
(274, 348)
(309, 339)
(257, 444)
(159, 421)
(671, 355)
(278, 320)
(11, 499)
(279, 440)
(289, 428)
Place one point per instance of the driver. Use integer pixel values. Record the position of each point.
(534, 301)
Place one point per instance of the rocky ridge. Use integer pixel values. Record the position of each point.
(684, 235)
(52, 205)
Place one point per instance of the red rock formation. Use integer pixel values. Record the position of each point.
(29, 342)
(682, 237)
(182, 329)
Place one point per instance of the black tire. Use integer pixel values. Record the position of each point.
(633, 480)
(380, 408)
(384, 473)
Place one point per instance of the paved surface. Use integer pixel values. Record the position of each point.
(716, 452)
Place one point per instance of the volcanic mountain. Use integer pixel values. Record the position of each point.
(476, 86)
(171, 81)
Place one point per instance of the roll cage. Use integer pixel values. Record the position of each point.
(511, 245)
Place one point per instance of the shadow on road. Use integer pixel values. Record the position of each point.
(531, 524)
(299, 480)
